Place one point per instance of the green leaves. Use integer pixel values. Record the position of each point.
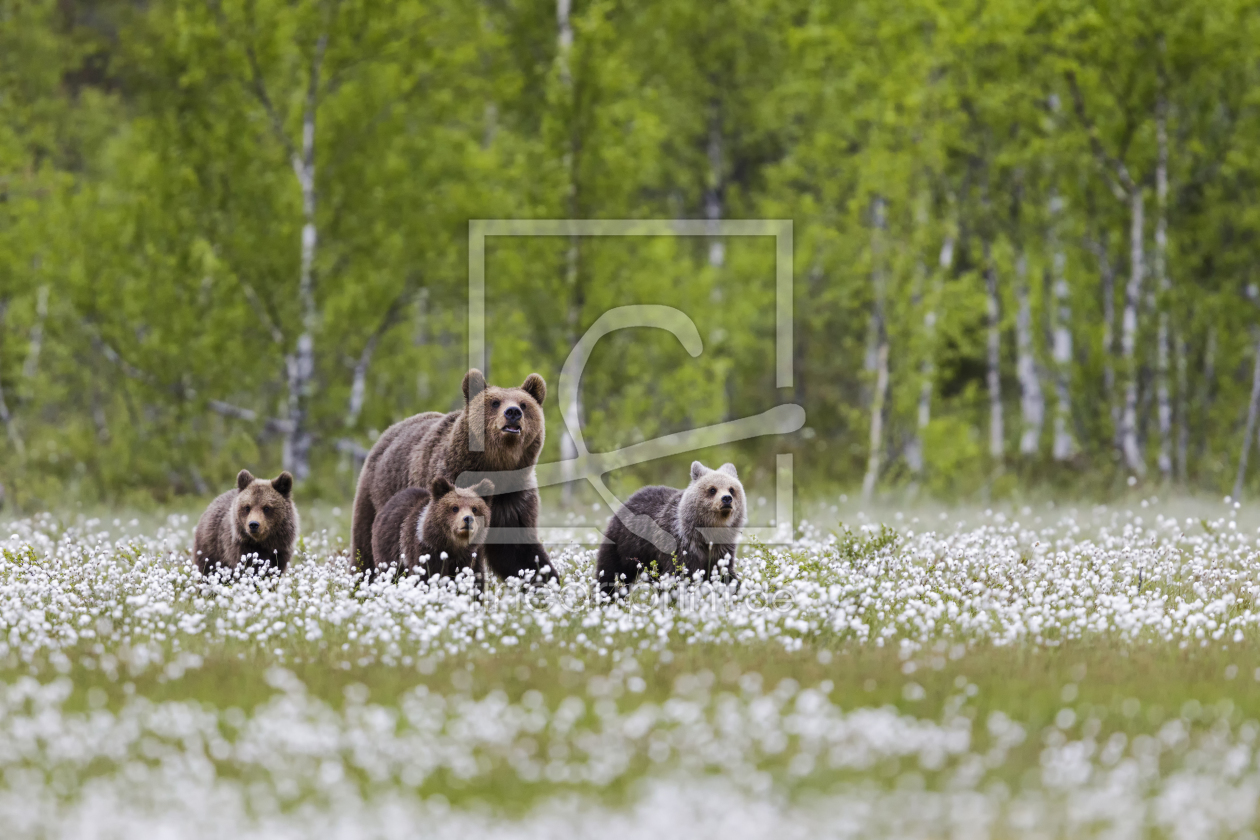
(155, 304)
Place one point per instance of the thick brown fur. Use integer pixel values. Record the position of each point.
(417, 450)
(257, 521)
(439, 531)
(701, 525)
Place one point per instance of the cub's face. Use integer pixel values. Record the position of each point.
(718, 495)
(513, 417)
(261, 505)
(458, 515)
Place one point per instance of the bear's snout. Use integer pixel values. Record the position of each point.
(254, 525)
(468, 521)
(727, 500)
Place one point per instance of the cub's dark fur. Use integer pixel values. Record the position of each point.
(257, 518)
(696, 529)
(439, 531)
(507, 426)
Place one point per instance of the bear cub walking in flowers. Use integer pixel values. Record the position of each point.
(439, 531)
(680, 531)
(256, 523)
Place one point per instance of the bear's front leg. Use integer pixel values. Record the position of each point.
(524, 553)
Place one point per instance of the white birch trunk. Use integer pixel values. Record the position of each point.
(1108, 276)
(300, 364)
(10, 426)
(568, 449)
(1253, 408)
(713, 191)
(1133, 458)
(1031, 401)
(30, 367)
(1064, 441)
(358, 384)
(1182, 412)
(997, 432)
(927, 370)
(880, 362)
(1160, 264)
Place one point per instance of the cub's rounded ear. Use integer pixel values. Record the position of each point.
(729, 469)
(483, 488)
(244, 478)
(474, 384)
(698, 469)
(440, 487)
(536, 387)
(283, 483)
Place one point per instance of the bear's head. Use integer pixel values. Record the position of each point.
(263, 508)
(715, 497)
(512, 418)
(457, 516)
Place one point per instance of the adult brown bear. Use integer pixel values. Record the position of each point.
(509, 437)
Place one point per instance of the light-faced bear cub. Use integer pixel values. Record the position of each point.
(257, 523)
(439, 531)
(675, 531)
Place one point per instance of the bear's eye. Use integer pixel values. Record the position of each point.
(454, 508)
(495, 404)
(712, 491)
(266, 510)
(246, 508)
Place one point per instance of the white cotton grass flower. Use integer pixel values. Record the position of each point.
(120, 608)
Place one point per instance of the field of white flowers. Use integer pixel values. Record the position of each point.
(1034, 673)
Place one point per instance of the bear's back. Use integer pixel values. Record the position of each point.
(394, 531)
(213, 536)
(391, 458)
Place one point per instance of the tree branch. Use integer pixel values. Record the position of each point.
(255, 84)
(260, 307)
(358, 386)
(1122, 185)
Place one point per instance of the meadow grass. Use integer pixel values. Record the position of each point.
(1023, 672)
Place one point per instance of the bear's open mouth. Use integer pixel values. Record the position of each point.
(512, 428)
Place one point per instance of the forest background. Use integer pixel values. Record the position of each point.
(235, 233)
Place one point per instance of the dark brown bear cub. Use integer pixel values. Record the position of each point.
(499, 430)
(256, 523)
(696, 529)
(439, 531)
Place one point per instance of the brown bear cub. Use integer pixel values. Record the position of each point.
(439, 531)
(675, 531)
(256, 523)
(499, 431)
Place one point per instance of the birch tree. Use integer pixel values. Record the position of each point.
(1125, 189)
(878, 356)
(1064, 440)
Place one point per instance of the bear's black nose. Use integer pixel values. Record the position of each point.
(726, 500)
(468, 520)
(253, 527)
(512, 413)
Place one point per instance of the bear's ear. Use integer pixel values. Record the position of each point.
(474, 384)
(729, 469)
(244, 478)
(440, 487)
(698, 469)
(283, 483)
(483, 488)
(536, 387)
